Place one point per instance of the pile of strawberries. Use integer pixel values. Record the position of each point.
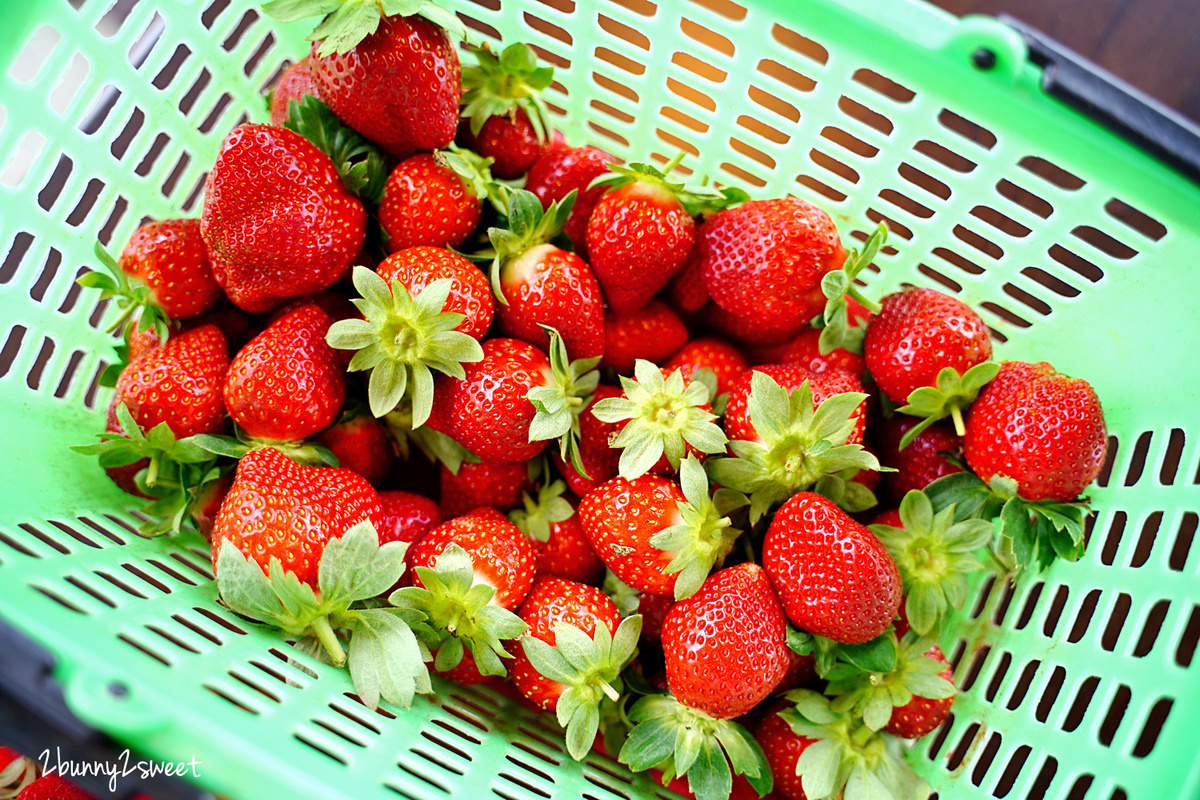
(450, 395)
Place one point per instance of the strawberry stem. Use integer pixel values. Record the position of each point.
(329, 639)
(957, 417)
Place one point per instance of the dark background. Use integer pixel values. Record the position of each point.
(1152, 44)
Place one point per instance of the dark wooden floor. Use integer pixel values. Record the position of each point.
(1152, 44)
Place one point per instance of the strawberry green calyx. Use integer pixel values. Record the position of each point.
(706, 534)
(1037, 533)
(239, 444)
(850, 495)
(663, 415)
(684, 741)
(476, 171)
(359, 163)
(131, 297)
(435, 445)
(875, 655)
(560, 404)
(873, 695)
(537, 514)
(847, 759)
(401, 341)
(799, 445)
(500, 85)
(385, 656)
(837, 286)
(528, 226)
(459, 617)
(590, 668)
(935, 555)
(695, 199)
(348, 22)
(174, 478)
(951, 394)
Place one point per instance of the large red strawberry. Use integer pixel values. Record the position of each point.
(725, 646)
(764, 259)
(919, 332)
(834, 577)
(179, 383)
(278, 221)
(505, 116)
(286, 383)
(399, 85)
(640, 232)
(279, 509)
(560, 171)
(1038, 427)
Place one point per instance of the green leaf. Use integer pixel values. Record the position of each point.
(243, 587)
(877, 655)
(385, 659)
(355, 567)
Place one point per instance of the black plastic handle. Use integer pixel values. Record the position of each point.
(35, 719)
(1083, 85)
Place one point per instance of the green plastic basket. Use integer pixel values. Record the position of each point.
(1076, 247)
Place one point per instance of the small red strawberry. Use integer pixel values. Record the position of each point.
(278, 221)
(286, 383)
(278, 509)
(659, 536)
(710, 352)
(361, 444)
(924, 460)
(804, 351)
(823, 385)
(764, 260)
(641, 232)
(782, 746)
(470, 295)
(653, 332)
(396, 81)
(572, 655)
(554, 529)
(296, 83)
(725, 646)
(505, 116)
(538, 284)
(916, 334)
(596, 454)
(923, 715)
(560, 171)
(426, 202)
(494, 484)
(834, 577)
(406, 517)
(1040, 428)
(169, 256)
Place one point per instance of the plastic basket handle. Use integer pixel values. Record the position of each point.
(1084, 86)
(35, 719)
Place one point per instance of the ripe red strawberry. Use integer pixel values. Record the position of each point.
(277, 220)
(426, 202)
(782, 747)
(178, 383)
(549, 519)
(362, 444)
(208, 503)
(653, 332)
(764, 260)
(558, 172)
(53, 786)
(921, 462)
(286, 383)
(686, 291)
(470, 295)
(500, 553)
(639, 234)
(504, 115)
(539, 284)
(398, 86)
(710, 352)
(295, 83)
(597, 456)
(1038, 427)
(494, 484)
(551, 602)
(803, 351)
(923, 715)
(824, 385)
(725, 646)
(169, 257)
(916, 334)
(834, 577)
(620, 517)
(277, 508)
(406, 517)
